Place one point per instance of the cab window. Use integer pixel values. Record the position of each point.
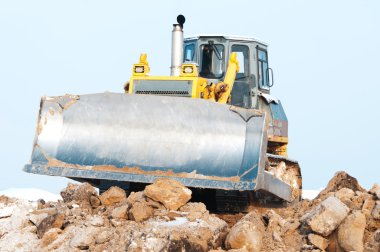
(189, 53)
(242, 52)
(263, 68)
(211, 61)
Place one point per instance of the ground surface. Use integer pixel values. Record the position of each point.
(343, 217)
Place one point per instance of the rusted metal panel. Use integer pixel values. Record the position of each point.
(279, 120)
(214, 183)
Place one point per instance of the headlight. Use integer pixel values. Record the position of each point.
(139, 69)
(188, 69)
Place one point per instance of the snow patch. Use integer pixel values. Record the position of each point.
(31, 194)
(177, 222)
(6, 211)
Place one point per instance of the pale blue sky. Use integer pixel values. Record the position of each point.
(324, 54)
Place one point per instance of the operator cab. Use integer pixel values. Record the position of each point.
(211, 52)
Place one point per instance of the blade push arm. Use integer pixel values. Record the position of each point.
(222, 90)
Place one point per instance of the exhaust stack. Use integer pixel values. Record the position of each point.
(177, 46)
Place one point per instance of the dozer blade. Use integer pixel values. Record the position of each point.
(138, 138)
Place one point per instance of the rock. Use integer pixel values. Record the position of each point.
(6, 211)
(246, 233)
(36, 219)
(171, 193)
(103, 237)
(345, 194)
(135, 197)
(341, 180)
(376, 211)
(96, 221)
(375, 190)
(71, 227)
(275, 221)
(15, 215)
(276, 236)
(172, 215)
(307, 247)
(291, 226)
(37, 216)
(50, 236)
(376, 235)
(368, 206)
(120, 212)
(31, 229)
(40, 203)
(83, 238)
(194, 210)
(80, 194)
(318, 241)
(19, 241)
(140, 212)
(359, 199)
(154, 204)
(95, 201)
(255, 218)
(112, 196)
(116, 222)
(237, 250)
(349, 198)
(153, 244)
(140, 197)
(178, 235)
(52, 221)
(326, 217)
(372, 242)
(197, 241)
(351, 232)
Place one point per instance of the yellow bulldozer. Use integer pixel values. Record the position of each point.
(212, 125)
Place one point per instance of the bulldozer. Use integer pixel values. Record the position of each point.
(211, 125)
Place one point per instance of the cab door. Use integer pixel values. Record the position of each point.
(263, 69)
(244, 81)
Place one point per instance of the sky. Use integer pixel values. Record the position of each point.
(325, 56)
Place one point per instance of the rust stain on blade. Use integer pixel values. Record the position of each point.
(136, 170)
(51, 111)
(69, 104)
(64, 101)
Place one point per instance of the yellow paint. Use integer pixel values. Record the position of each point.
(193, 73)
(278, 139)
(143, 63)
(281, 146)
(198, 83)
(282, 150)
(209, 92)
(200, 88)
(223, 89)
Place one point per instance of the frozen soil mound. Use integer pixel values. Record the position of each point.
(344, 217)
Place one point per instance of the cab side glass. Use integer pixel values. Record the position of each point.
(211, 61)
(242, 52)
(189, 53)
(263, 68)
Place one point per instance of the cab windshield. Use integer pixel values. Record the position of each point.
(211, 61)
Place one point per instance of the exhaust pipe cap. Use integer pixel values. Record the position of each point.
(181, 20)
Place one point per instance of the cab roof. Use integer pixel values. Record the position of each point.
(228, 37)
